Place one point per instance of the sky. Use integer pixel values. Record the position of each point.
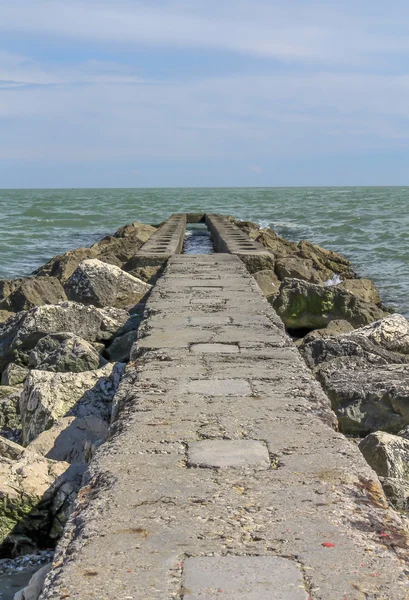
(158, 93)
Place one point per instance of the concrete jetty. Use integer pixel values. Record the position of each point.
(223, 477)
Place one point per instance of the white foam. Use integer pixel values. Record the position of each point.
(334, 281)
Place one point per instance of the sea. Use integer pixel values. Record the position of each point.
(369, 225)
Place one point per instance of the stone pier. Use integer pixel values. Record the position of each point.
(223, 478)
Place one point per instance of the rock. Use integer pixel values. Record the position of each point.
(364, 289)
(326, 259)
(64, 352)
(275, 244)
(268, 282)
(35, 586)
(10, 421)
(64, 265)
(391, 332)
(149, 274)
(388, 455)
(120, 349)
(333, 329)
(141, 231)
(48, 396)
(9, 449)
(301, 268)
(301, 304)
(100, 284)
(34, 291)
(249, 228)
(5, 315)
(124, 244)
(27, 485)
(21, 334)
(367, 400)
(14, 374)
(7, 286)
(70, 437)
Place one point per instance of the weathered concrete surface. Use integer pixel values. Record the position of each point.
(313, 525)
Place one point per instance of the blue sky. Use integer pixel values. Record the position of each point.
(203, 93)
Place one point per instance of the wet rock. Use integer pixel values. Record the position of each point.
(364, 289)
(48, 396)
(388, 455)
(301, 304)
(391, 332)
(97, 283)
(35, 586)
(21, 334)
(10, 422)
(64, 352)
(70, 437)
(268, 282)
(34, 291)
(14, 374)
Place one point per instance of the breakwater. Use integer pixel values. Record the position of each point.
(221, 469)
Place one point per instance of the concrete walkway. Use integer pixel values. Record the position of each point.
(223, 478)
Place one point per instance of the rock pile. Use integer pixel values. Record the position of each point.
(65, 334)
(357, 350)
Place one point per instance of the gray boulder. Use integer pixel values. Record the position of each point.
(33, 590)
(65, 352)
(70, 437)
(97, 283)
(388, 455)
(301, 304)
(297, 267)
(391, 332)
(18, 336)
(10, 421)
(48, 396)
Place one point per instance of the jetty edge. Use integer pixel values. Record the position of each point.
(219, 439)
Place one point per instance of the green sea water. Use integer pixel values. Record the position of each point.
(369, 225)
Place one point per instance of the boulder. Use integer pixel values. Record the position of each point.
(5, 315)
(48, 396)
(34, 291)
(7, 286)
(9, 449)
(33, 590)
(333, 329)
(388, 455)
(249, 228)
(141, 231)
(10, 421)
(70, 437)
(364, 289)
(21, 334)
(120, 349)
(65, 352)
(326, 259)
(14, 374)
(293, 266)
(97, 283)
(391, 332)
(301, 304)
(64, 265)
(275, 244)
(36, 495)
(268, 282)
(149, 274)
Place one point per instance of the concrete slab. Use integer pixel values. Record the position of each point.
(223, 454)
(219, 387)
(242, 578)
(214, 348)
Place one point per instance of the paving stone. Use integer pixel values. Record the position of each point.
(228, 453)
(219, 387)
(242, 578)
(214, 348)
